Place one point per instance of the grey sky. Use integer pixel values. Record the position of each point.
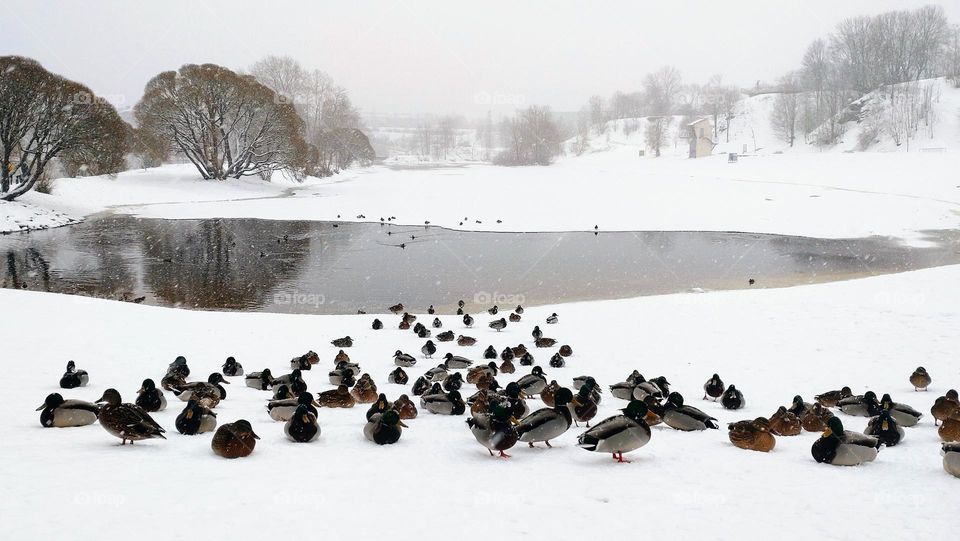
(437, 56)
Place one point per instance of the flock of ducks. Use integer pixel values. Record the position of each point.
(499, 416)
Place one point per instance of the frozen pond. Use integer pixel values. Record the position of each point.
(317, 267)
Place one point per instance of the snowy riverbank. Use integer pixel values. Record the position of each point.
(772, 344)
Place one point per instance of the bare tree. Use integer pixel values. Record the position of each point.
(227, 125)
(786, 110)
(532, 137)
(655, 135)
(44, 116)
(662, 88)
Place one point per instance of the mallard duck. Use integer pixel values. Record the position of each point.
(507, 367)
(396, 308)
(475, 373)
(232, 368)
(798, 407)
(259, 380)
(950, 429)
(557, 361)
(344, 342)
(467, 320)
(498, 324)
(444, 404)
(302, 426)
(179, 365)
(234, 440)
(657, 387)
(404, 325)
(384, 428)
(514, 317)
(865, 405)
(405, 407)
(418, 328)
(752, 435)
(342, 376)
(732, 398)
(619, 434)
(456, 362)
(380, 405)
(398, 376)
(526, 359)
(195, 419)
(512, 398)
(518, 309)
(655, 410)
(301, 363)
(487, 381)
(365, 391)
(552, 318)
(436, 374)
(536, 332)
(282, 410)
(409, 318)
(519, 351)
(493, 311)
(490, 353)
(565, 351)
(544, 342)
(844, 447)
(126, 421)
(494, 430)
(173, 378)
(336, 398)
(377, 325)
(453, 381)
(951, 458)
(830, 399)
(150, 398)
(920, 379)
(815, 419)
(945, 406)
(281, 392)
(479, 402)
(904, 414)
(423, 332)
(506, 354)
(73, 377)
(185, 391)
(549, 423)
(548, 394)
(60, 413)
(534, 382)
(583, 406)
(466, 341)
(885, 428)
(420, 386)
(713, 388)
(624, 389)
(784, 423)
(681, 417)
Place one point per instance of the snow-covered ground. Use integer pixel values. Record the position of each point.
(772, 344)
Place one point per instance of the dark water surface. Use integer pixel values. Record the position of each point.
(238, 264)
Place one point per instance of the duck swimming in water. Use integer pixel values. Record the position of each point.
(60, 413)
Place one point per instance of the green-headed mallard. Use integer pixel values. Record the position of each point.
(262, 380)
(398, 376)
(128, 422)
(533, 383)
(553, 319)
(865, 405)
(453, 381)
(74, 377)
(495, 430)
(456, 362)
(196, 419)
(682, 417)
(547, 423)
(344, 342)
(753, 435)
(403, 359)
(951, 458)
(283, 410)
(302, 426)
(150, 398)
(904, 414)
(798, 407)
(384, 428)
(60, 413)
(884, 427)
(920, 379)
(232, 368)
(380, 405)
(444, 404)
(234, 440)
(844, 447)
(658, 387)
(619, 434)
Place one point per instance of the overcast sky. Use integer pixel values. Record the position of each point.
(439, 56)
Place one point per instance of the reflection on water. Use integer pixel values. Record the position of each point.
(317, 267)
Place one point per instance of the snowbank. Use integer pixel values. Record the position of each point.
(772, 344)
